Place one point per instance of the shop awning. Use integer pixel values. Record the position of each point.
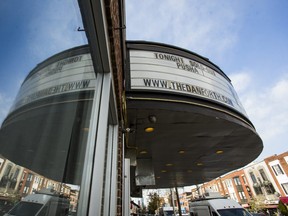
(284, 200)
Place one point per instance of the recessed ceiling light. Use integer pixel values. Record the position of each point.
(169, 164)
(149, 129)
(181, 152)
(143, 152)
(158, 177)
(219, 152)
(163, 171)
(199, 164)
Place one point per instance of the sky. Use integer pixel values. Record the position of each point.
(30, 32)
(247, 39)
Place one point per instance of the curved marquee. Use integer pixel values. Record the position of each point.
(198, 129)
(62, 76)
(46, 129)
(173, 73)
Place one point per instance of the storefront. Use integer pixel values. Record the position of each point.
(98, 123)
(186, 123)
(62, 110)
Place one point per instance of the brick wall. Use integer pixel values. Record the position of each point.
(115, 31)
(283, 164)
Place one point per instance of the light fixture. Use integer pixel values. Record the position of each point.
(181, 152)
(158, 177)
(152, 118)
(169, 164)
(199, 164)
(189, 171)
(163, 171)
(219, 152)
(143, 152)
(149, 129)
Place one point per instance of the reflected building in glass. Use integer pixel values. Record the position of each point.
(43, 139)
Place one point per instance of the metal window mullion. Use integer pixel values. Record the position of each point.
(126, 191)
(89, 154)
(123, 203)
(99, 157)
(107, 189)
(114, 172)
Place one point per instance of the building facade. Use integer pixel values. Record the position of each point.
(100, 122)
(278, 167)
(257, 186)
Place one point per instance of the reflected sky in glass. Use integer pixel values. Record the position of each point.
(30, 32)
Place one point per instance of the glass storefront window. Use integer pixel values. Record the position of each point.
(43, 136)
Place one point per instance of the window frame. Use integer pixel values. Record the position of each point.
(277, 169)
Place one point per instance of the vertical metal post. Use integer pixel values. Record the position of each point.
(178, 201)
(198, 190)
(172, 200)
(127, 188)
(114, 173)
(89, 154)
(96, 191)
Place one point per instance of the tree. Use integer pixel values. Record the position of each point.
(143, 210)
(283, 208)
(257, 204)
(154, 202)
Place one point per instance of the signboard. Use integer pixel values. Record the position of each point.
(68, 75)
(164, 72)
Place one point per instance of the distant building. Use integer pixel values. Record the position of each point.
(10, 176)
(278, 167)
(262, 185)
(74, 196)
(258, 184)
(184, 198)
